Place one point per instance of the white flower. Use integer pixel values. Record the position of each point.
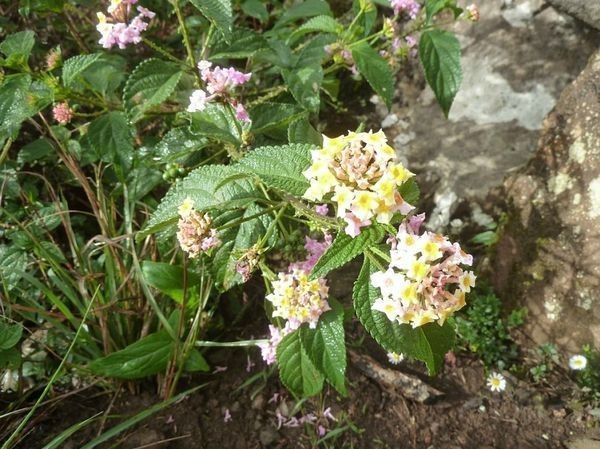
(395, 358)
(198, 101)
(496, 382)
(388, 306)
(577, 362)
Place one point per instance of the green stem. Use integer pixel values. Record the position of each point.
(211, 30)
(186, 37)
(381, 254)
(4, 153)
(160, 50)
(374, 260)
(229, 344)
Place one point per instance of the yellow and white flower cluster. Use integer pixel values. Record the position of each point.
(194, 231)
(362, 173)
(298, 299)
(424, 281)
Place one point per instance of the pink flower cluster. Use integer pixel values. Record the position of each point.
(411, 7)
(62, 113)
(220, 83)
(122, 29)
(319, 420)
(297, 299)
(195, 233)
(424, 281)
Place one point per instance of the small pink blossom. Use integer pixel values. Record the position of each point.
(62, 113)
(219, 369)
(321, 431)
(322, 209)
(354, 224)
(227, 416)
(411, 7)
(118, 33)
(273, 399)
(241, 114)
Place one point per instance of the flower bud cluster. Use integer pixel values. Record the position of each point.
(195, 234)
(424, 281)
(410, 7)
(362, 173)
(62, 113)
(220, 83)
(120, 28)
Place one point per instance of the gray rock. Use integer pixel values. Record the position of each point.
(586, 10)
(512, 78)
(548, 257)
(268, 436)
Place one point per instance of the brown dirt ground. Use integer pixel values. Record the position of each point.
(468, 416)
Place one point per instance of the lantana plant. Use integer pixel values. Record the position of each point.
(222, 105)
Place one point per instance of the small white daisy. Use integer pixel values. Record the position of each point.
(577, 362)
(496, 382)
(395, 358)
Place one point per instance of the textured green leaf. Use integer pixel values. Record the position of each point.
(244, 44)
(432, 7)
(410, 191)
(375, 69)
(323, 24)
(18, 102)
(217, 121)
(308, 8)
(74, 67)
(145, 357)
(203, 186)
(218, 12)
(179, 144)
(439, 52)
(267, 116)
(296, 370)
(326, 346)
(427, 343)
(168, 278)
(304, 83)
(39, 150)
(256, 9)
(111, 136)
(10, 334)
(301, 131)
(236, 240)
(17, 47)
(280, 167)
(195, 362)
(151, 83)
(345, 248)
(10, 358)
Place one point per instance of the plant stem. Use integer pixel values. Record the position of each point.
(191, 60)
(229, 344)
(161, 50)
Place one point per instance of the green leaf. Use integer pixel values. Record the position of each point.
(301, 131)
(145, 357)
(218, 122)
(19, 100)
(10, 334)
(39, 150)
(10, 358)
(203, 187)
(410, 191)
(308, 8)
(427, 343)
(326, 346)
(296, 370)
(218, 12)
(345, 248)
(236, 240)
(304, 83)
(195, 362)
(375, 69)
(256, 9)
(280, 167)
(17, 48)
(105, 75)
(439, 52)
(74, 67)
(244, 44)
(267, 116)
(168, 278)
(324, 24)
(432, 7)
(111, 136)
(178, 144)
(151, 83)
